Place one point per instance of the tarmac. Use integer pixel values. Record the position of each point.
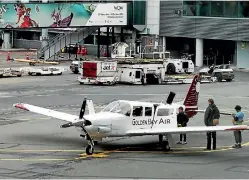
(33, 146)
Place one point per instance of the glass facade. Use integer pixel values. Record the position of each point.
(226, 9)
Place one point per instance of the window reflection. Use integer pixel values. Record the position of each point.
(217, 8)
(118, 107)
(228, 9)
(189, 8)
(203, 8)
(244, 9)
(231, 9)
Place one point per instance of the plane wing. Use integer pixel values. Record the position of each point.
(221, 112)
(47, 112)
(193, 129)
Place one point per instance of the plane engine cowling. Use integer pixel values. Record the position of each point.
(96, 130)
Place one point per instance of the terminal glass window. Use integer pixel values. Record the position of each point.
(217, 8)
(231, 9)
(203, 8)
(226, 9)
(243, 9)
(189, 8)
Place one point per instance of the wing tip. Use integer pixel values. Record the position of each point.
(238, 128)
(20, 106)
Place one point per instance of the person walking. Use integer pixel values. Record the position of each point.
(182, 120)
(237, 120)
(211, 118)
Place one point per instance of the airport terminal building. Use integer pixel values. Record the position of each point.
(221, 27)
(214, 32)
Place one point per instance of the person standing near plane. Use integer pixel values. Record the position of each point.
(211, 118)
(182, 120)
(238, 120)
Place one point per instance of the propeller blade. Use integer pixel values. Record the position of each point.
(82, 110)
(170, 97)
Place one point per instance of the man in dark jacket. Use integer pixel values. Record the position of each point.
(212, 113)
(182, 120)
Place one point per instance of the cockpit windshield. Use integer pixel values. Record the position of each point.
(118, 107)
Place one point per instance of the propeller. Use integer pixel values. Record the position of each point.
(171, 97)
(80, 123)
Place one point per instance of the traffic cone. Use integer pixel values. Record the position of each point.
(8, 57)
(27, 56)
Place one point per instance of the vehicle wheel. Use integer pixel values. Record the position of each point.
(1, 76)
(38, 74)
(228, 80)
(81, 83)
(95, 142)
(171, 69)
(19, 75)
(218, 76)
(60, 73)
(89, 150)
(29, 73)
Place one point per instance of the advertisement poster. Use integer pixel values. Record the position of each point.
(62, 15)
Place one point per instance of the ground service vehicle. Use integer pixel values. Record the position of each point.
(220, 72)
(98, 72)
(45, 71)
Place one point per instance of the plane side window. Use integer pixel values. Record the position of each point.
(164, 112)
(130, 74)
(148, 111)
(137, 111)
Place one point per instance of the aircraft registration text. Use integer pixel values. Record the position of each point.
(150, 122)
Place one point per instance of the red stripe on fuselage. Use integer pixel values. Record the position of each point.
(20, 106)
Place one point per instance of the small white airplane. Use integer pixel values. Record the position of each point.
(133, 118)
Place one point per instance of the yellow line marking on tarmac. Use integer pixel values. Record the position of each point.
(107, 153)
(26, 159)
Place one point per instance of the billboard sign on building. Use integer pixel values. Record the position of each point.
(62, 15)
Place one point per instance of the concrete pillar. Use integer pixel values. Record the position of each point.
(6, 39)
(164, 46)
(133, 42)
(44, 37)
(199, 52)
(94, 39)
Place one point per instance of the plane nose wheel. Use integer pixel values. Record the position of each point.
(89, 150)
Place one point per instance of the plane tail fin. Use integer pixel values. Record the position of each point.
(191, 100)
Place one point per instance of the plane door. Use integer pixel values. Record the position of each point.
(165, 117)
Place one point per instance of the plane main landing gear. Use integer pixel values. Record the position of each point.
(164, 143)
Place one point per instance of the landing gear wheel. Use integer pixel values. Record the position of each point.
(89, 150)
(165, 146)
